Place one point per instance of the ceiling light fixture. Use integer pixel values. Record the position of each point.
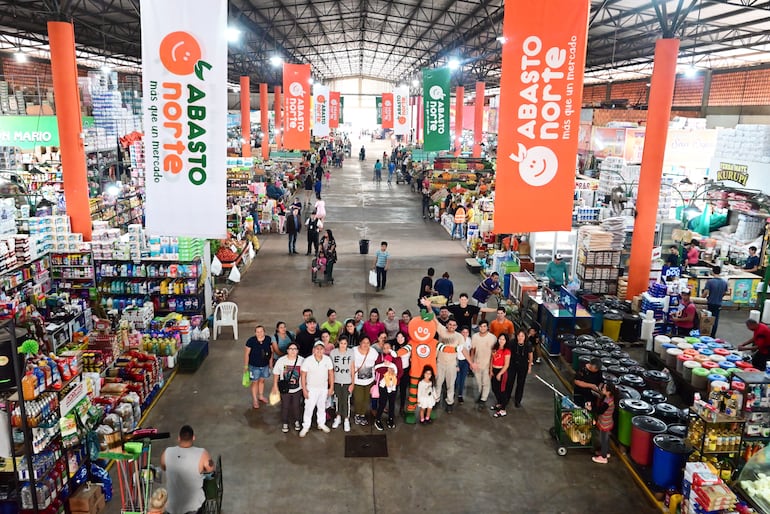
(311, 81)
(106, 68)
(453, 63)
(415, 82)
(20, 56)
(500, 39)
(276, 60)
(233, 34)
(691, 71)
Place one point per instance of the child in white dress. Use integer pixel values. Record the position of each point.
(426, 394)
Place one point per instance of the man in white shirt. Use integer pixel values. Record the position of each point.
(481, 356)
(446, 364)
(317, 374)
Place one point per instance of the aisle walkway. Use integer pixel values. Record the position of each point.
(464, 462)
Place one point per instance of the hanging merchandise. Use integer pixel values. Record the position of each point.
(235, 275)
(401, 111)
(387, 110)
(296, 107)
(216, 267)
(334, 109)
(541, 87)
(320, 110)
(185, 116)
(435, 85)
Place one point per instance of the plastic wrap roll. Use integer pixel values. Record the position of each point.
(766, 312)
(754, 314)
(648, 326)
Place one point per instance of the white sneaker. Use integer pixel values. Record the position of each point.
(346, 425)
(336, 422)
(324, 428)
(303, 432)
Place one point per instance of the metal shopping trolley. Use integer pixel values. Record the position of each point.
(572, 424)
(212, 486)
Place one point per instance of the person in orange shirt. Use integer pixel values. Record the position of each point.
(501, 324)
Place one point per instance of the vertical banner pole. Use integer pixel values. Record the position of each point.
(459, 106)
(278, 119)
(658, 116)
(478, 119)
(61, 36)
(245, 117)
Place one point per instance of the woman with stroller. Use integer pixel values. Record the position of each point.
(328, 246)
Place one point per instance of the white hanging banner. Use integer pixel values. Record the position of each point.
(401, 111)
(184, 57)
(320, 110)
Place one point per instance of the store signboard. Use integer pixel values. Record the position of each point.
(401, 111)
(184, 56)
(584, 136)
(541, 86)
(296, 106)
(334, 109)
(435, 87)
(608, 142)
(29, 132)
(387, 110)
(740, 174)
(320, 110)
(378, 106)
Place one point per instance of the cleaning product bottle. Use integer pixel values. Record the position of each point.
(29, 385)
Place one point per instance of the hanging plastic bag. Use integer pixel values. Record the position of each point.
(246, 379)
(252, 253)
(372, 278)
(235, 275)
(216, 266)
(274, 398)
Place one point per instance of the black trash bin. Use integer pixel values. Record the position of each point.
(363, 246)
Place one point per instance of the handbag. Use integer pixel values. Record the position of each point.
(246, 379)
(284, 384)
(374, 392)
(372, 278)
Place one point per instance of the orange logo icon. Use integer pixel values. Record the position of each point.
(320, 99)
(402, 120)
(179, 52)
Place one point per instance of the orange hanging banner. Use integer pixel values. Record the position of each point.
(334, 109)
(296, 106)
(656, 132)
(245, 117)
(459, 106)
(387, 110)
(264, 122)
(478, 120)
(61, 37)
(540, 90)
(278, 120)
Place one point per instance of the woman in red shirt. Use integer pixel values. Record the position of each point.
(693, 253)
(498, 371)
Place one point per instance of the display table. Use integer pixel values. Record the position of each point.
(555, 320)
(741, 287)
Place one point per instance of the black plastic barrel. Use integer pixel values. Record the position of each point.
(631, 328)
(363, 246)
(667, 413)
(653, 397)
(634, 381)
(628, 393)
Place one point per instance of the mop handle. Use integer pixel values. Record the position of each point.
(549, 386)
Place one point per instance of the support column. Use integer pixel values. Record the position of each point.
(245, 117)
(278, 117)
(61, 36)
(658, 115)
(265, 121)
(478, 120)
(459, 105)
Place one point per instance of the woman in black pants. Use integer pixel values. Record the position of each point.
(498, 371)
(521, 365)
(403, 384)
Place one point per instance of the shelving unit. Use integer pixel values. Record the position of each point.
(73, 272)
(598, 271)
(170, 286)
(125, 210)
(238, 180)
(721, 438)
(29, 274)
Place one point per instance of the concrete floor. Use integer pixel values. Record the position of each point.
(465, 462)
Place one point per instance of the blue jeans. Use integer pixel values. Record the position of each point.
(714, 309)
(455, 227)
(462, 374)
(292, 242)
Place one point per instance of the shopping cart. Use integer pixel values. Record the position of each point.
(135, 474)
(212, 486)
(572, 425)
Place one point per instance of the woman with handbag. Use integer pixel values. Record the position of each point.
(287, 381)
(329, 247)
(364, 359)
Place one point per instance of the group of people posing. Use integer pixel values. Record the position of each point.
(359, 369)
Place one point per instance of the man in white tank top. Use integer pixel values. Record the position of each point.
(184, 465)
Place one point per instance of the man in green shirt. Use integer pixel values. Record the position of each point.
(332, 325)
(557, 273)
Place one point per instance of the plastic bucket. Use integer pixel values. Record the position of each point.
(687, 369)
(643, 429)
(727, 366)
(609, 378)
(634, 381)
(717, 358)
(663, 349)
(656, 380)
(597, 321)
(709, 364)
(700, 378)
(628, 362)
(658, 343)
(628, 408)
(628, 393)
(576, 354)
(744, 365)
(671, 355)
(653, 397)
(667, 413)
(680, 360)
(611, 325)
(630, 328)
(668, 458)
(677, 430)
(734, 358)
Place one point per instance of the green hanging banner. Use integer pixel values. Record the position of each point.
(435, 86)
(342, 110)
(378, 101)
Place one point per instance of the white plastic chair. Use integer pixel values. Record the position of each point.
(226, 315)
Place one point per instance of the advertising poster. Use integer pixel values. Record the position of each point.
(401, 107)
(435, 86)
(387, 110)
(184, 57)
(334, 109)
(541, 87)
(320, 110)
(296, 106)
(378, 104)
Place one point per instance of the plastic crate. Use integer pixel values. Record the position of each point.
(191, 356)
